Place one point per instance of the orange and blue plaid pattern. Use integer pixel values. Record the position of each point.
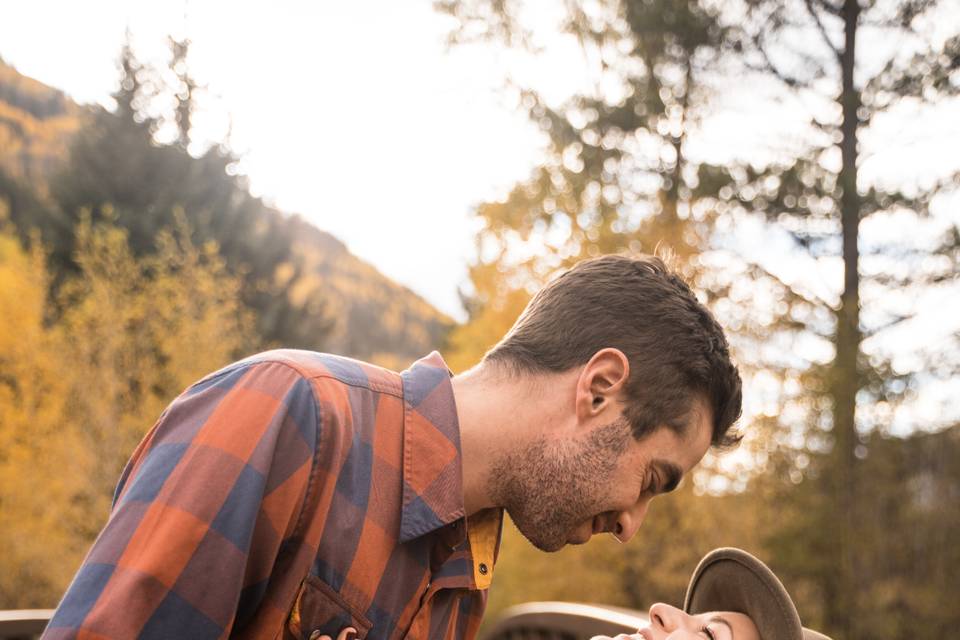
(290, 495)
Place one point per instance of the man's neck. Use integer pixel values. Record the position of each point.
(497, 411)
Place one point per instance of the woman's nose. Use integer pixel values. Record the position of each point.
(666, 618)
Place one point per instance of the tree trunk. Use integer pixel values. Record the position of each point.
(841, 604)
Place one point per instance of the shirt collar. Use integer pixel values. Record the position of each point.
(432, 464)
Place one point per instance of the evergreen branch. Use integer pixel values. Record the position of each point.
(877, 200)
(888, 325)
(768, 66)
(909, 10)
(494, 20)
(830, 8)
(810, 298)
(822, 29)
(926, 76)
(825, 127)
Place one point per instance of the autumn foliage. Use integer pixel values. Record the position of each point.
(85, 374)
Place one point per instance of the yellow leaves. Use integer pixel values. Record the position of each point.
(34, 458)
(201, 323)
(470, 341)
(26, 350)
(76, 396)
(149, 328)
(22, 287)
(498, 306)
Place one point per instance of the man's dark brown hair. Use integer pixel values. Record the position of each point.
(677, 350)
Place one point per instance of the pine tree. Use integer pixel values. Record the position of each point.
(825, 207)
(598, 191)
(116, 165)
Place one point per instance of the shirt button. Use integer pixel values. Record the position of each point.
(483, 568)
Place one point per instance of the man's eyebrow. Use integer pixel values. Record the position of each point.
(721, 621)
(672, 473)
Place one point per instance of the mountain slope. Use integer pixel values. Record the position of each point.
(372, 317)
(36, 122)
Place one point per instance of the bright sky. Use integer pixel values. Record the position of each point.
(354, 115)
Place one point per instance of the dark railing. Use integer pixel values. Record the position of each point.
(563, 621)
(530, 621)
(23, 624)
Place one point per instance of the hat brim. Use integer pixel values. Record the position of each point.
(730, 579)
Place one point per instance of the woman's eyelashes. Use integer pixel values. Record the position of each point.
(712, 631)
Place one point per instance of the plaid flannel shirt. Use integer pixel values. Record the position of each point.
(290, 495)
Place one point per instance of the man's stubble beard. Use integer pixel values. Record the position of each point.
(549, 488)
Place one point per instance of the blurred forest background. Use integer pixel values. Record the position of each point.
(129, 268)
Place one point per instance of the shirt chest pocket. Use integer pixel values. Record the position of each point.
(321, 611)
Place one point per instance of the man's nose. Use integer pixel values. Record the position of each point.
(629, 521)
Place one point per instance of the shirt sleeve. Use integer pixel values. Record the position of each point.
(201, 512)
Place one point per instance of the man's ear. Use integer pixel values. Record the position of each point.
(601, 381)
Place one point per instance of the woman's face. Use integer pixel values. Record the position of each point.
(670, 623)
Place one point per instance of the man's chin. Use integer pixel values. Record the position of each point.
(542, 543)
(550, 546)
(553, 543)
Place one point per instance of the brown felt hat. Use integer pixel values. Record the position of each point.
(731, 579)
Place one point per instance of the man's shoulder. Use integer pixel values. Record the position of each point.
(330, 368)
